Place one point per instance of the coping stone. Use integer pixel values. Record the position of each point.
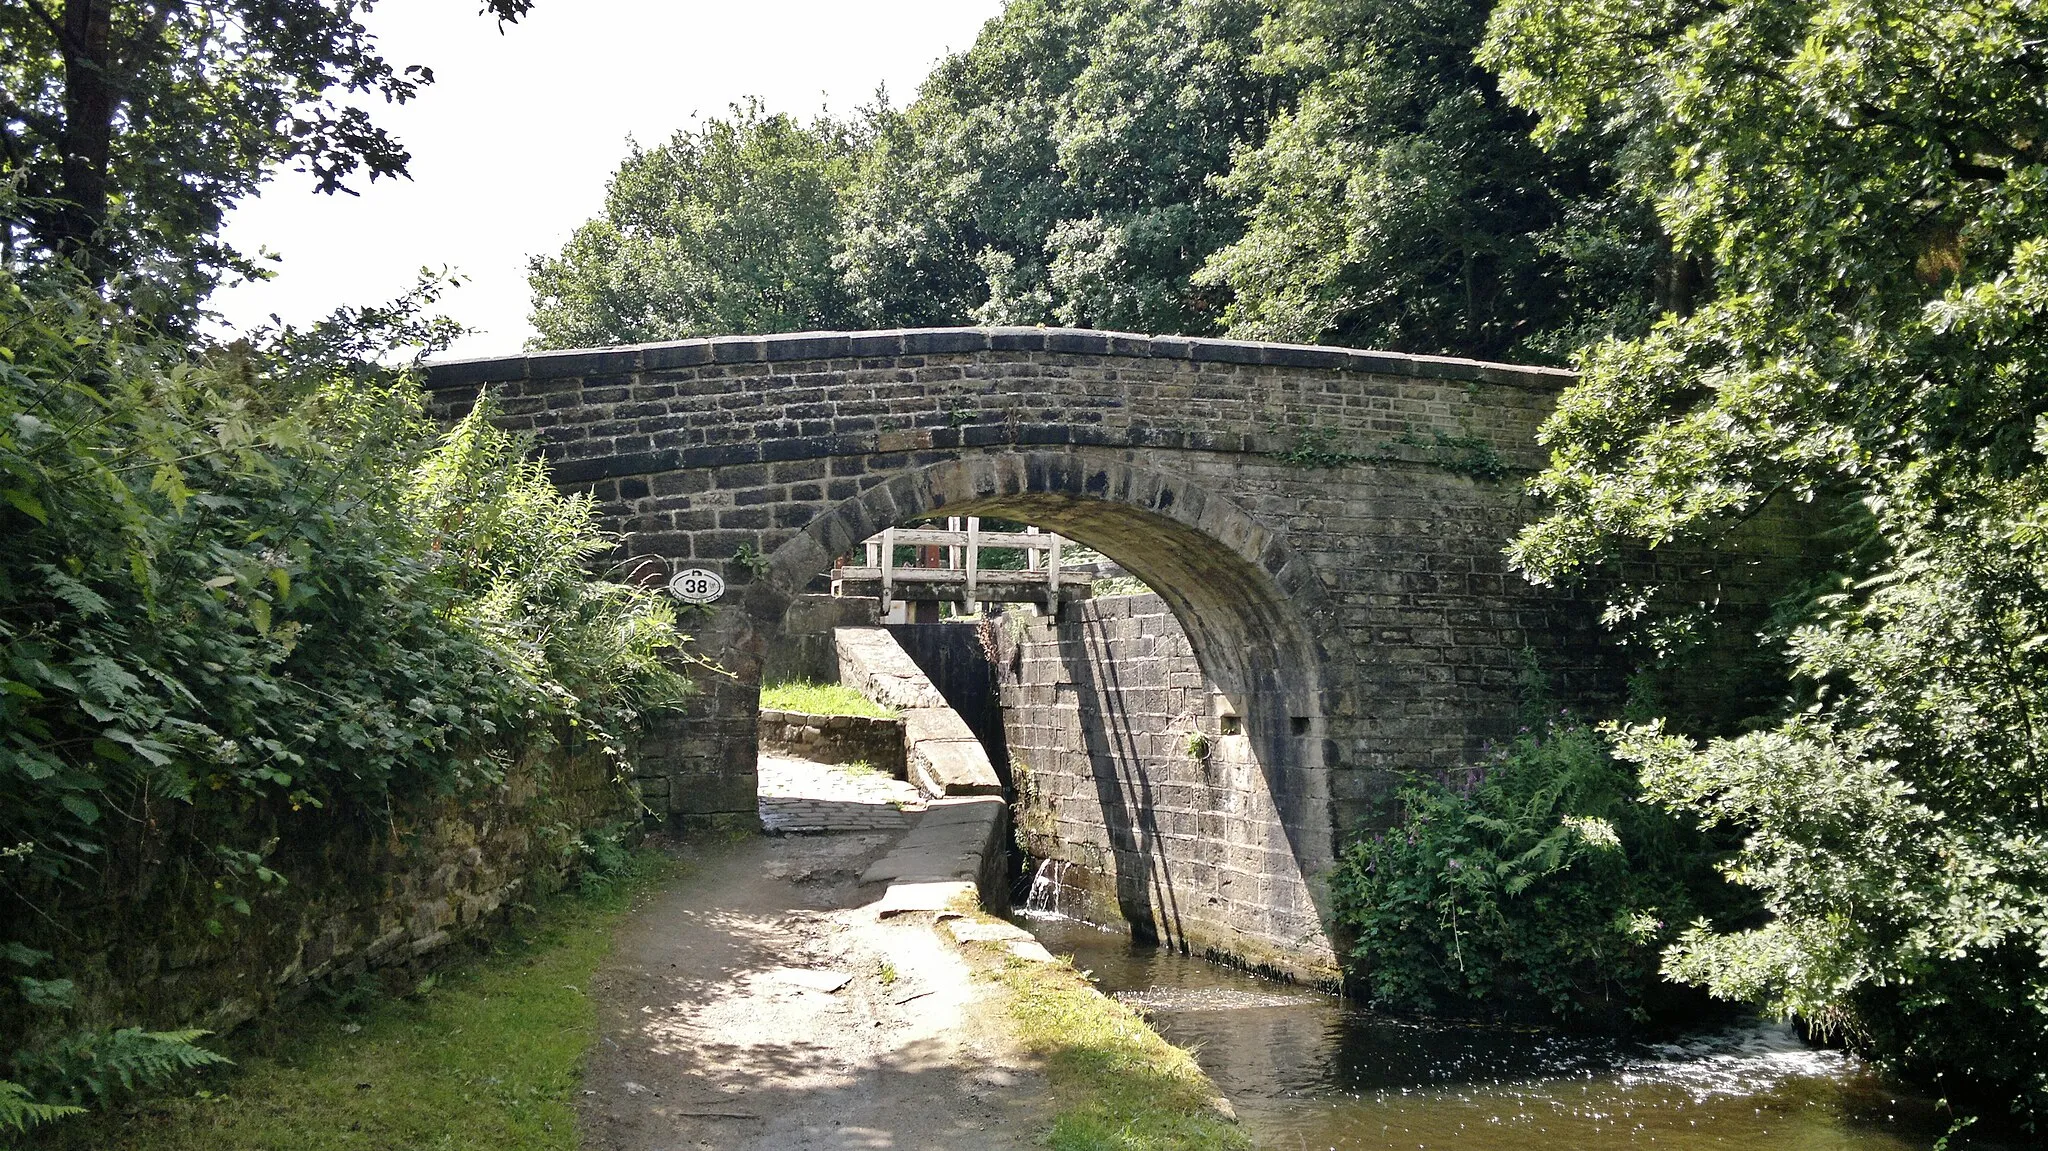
(448, 375)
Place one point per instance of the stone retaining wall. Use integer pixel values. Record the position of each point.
(953, 657)
(363, 893)
(835, 739)
(805, 649)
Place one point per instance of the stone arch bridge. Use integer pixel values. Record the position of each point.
(1325, 523)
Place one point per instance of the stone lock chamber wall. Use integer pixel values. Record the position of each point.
(1127, 768)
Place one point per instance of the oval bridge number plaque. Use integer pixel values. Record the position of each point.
(696, 585)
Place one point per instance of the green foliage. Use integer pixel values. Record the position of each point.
(19, 1110)
(251, 580)
(132, 125)
(57, 1077)
(1540, 882)
(820, 699)
(1059, 170)
(1399, 202)
(1319, 447)
(100, 1067)
(1324, 170)
(487, 1054)
(1056, 172)
(1895, 831)
(603, 858)
(1867, 185)
(731, 228)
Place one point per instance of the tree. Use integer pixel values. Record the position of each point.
(730, 228)
(1868, 186)
(128, 127)
(1401, 204)
(1059, 170)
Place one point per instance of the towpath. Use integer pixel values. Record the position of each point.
(754, 1003)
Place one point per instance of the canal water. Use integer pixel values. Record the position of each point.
(1306, 1071)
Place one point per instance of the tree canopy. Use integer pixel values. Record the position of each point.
(1868, 186)
(730, 228)
(1338, 171)
(128, 127)
(1060, 170)
(1400, 203)
(250, 590)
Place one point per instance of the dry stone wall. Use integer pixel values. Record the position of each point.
(834, 739)
(363, 894)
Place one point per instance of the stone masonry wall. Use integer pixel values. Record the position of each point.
(1123, 768)
(940, 752)
(952, 656)
(765, 457)
(835, 739)
(806, 650)
(362, 895)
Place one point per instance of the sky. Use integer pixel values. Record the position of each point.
(514, 141)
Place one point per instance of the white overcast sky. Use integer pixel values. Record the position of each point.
(513, 143)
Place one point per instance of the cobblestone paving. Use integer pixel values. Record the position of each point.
(801, 797)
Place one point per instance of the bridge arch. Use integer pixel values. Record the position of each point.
(1247, 601)
(1251, 603)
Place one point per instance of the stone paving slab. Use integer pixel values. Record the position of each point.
(939, 898)
(955, 840)
(798, 797)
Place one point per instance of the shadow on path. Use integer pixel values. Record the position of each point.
(717, 1030)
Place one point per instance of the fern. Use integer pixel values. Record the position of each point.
(19, 1110)
(97, 1066)
(1542, 885)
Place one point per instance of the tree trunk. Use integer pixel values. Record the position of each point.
(90, 100)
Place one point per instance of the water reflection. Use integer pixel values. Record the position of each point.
(1306, 1071)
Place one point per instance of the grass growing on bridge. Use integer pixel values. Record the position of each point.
(488, 1057)
(820, 699)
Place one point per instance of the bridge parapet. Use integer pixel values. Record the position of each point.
(665, 407)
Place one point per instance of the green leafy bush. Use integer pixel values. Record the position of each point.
(1895, 831)
(1872, 330)
(61, 1074)
(251, 579)
(1539, 883)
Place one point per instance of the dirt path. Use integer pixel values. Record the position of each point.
(720, 1028)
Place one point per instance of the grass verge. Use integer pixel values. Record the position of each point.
(821, 699)
(1118, 1084)
(485, 1054)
